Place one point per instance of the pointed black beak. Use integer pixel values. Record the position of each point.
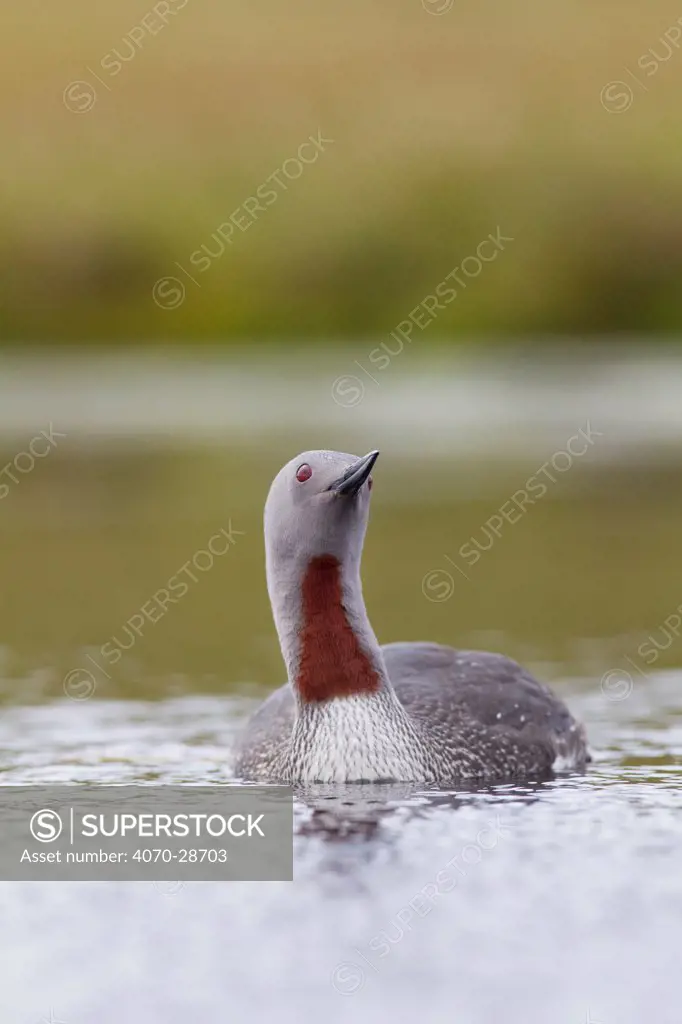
(355, 476)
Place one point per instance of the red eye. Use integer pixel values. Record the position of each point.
(303, 473)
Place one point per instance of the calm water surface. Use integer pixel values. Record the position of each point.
(560, 902)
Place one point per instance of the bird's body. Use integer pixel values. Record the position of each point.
(477, 715)
(353, 711)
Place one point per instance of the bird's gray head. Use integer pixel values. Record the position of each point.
(315, 521)
(318, 506)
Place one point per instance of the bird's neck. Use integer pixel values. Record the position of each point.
(350, 725)
(327, 641)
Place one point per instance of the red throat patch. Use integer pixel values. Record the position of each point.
(332, 663)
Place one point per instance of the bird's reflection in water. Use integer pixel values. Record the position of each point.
(340, 812)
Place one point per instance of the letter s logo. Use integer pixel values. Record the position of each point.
(46, 826)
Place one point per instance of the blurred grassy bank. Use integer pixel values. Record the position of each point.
(444, 127)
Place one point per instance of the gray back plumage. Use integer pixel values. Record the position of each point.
(482, 716)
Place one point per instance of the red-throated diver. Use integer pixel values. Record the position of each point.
(355, 711)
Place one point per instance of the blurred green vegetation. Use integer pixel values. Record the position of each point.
(445, 128)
